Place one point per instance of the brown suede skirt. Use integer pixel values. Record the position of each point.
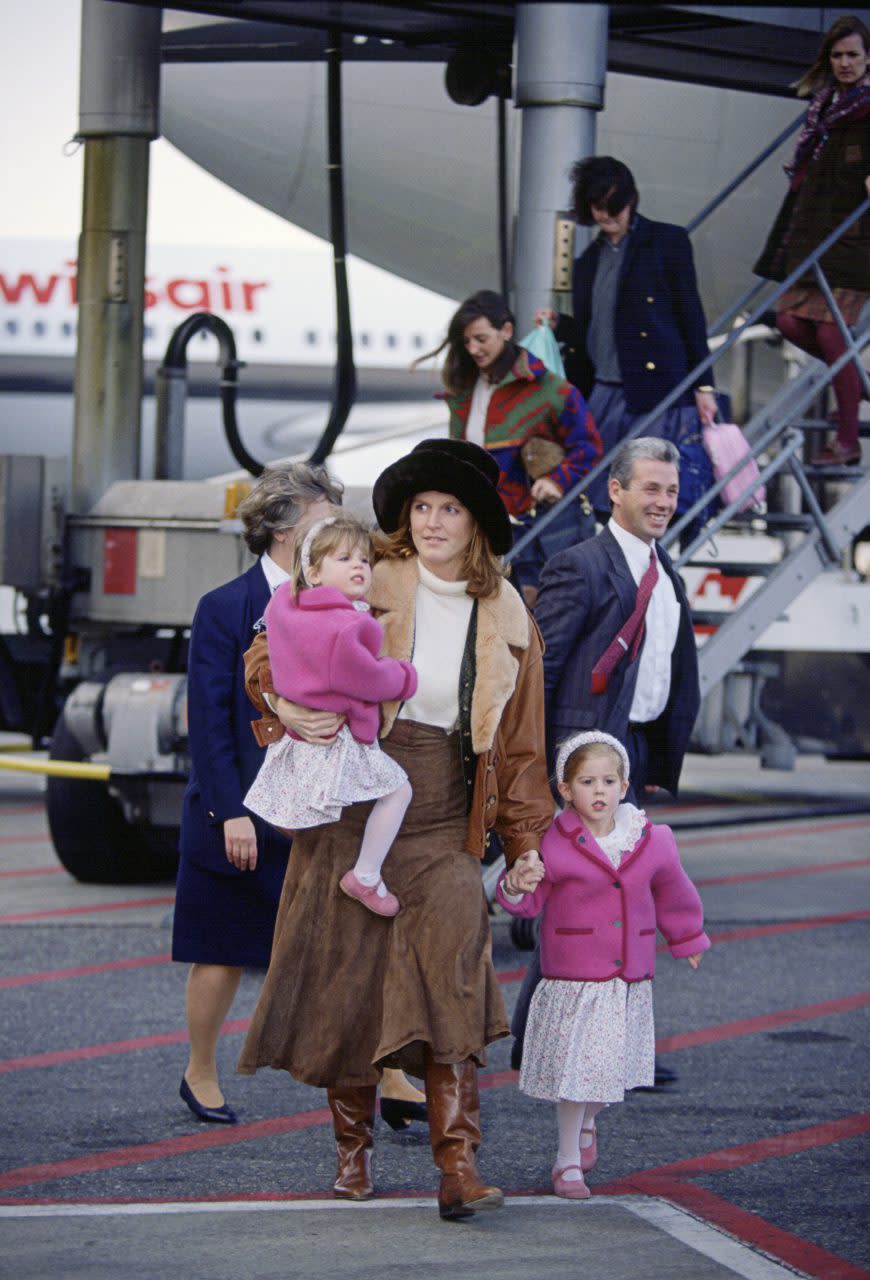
(348, 992)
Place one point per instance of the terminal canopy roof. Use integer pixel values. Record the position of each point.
(758, 48)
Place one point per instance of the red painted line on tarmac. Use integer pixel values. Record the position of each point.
(784, 1144)
(496, 1079)
(668, 1044)
(82, 971)
(512, 975)
(504, 977)
(785, 926)
(35, 838)
(751, 1229)
(118, 1157)
(89, 1051)
(12, 810)
(748, 1026)
(223, 1135)
(819, 869)
(774, 833)
(214, 1198)
(18, 916)
(30, 871)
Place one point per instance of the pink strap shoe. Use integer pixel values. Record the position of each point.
(570, 1188)
(367, 895)
(588, 1155)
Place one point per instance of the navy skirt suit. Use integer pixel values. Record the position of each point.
(222, 915)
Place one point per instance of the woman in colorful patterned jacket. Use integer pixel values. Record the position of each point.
(504, 399)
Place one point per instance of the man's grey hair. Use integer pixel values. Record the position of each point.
(652, 447)
(280, 498)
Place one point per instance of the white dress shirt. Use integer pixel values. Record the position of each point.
(475, 427)
(275, 575)
(662, 624)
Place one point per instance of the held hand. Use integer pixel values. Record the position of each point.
(694, 961)
(240, 843)
(525, 874)
(545, 490)
(546, 315)
(311, 726)
(705, 403)
(867, 183)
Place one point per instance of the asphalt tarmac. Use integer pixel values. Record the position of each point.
(754, 1164)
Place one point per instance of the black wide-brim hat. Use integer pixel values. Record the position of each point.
(456, 467)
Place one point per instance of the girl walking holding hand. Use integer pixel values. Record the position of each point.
(608, 880)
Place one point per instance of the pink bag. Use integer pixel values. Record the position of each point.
(726, 445)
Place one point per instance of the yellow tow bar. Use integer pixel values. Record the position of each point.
(56, 768)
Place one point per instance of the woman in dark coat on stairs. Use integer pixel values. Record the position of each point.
(828, 180)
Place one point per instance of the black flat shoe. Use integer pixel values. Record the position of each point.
(516, 1055)
(398, 1113)
(664, 1075)
(214, 1115)
(664, 1078)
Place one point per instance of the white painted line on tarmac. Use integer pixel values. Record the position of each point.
(710, 1241)
(207, 1206)
(696, 1234)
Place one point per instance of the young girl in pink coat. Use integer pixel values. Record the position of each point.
(608, 880)
(323, 651)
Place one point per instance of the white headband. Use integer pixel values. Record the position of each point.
(305, 553)
(570, 745)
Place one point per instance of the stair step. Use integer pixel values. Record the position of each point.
(824, 424)
(735, 568)
(786, 521)
(835, 473)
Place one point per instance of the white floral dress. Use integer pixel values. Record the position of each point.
(306, 784)
(591, 1041)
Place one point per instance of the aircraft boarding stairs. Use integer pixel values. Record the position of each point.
(812, 516)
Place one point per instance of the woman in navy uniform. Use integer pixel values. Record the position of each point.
(232, 864)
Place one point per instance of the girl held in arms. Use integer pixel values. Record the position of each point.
(323, 651)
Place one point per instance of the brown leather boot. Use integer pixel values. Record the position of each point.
(353, 1120)
(454, 1125)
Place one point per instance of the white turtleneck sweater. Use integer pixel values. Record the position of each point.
(443, 611)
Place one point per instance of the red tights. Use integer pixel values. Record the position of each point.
(823, 340)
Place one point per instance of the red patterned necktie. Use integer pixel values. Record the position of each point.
(630, 634)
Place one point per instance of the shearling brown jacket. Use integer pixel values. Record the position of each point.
(510, 790)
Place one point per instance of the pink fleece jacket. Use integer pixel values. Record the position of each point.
(601, 923)
(323, 652)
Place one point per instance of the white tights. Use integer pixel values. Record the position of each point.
(381, 830)
(575, 1131)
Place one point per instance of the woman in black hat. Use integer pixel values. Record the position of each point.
(349, 993)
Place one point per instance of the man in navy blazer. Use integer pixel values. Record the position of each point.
(587, 594)
(589, 591)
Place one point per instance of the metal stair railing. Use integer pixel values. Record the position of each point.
(740, 630)
(692, 379)
(692, 225)
(746, 172)
(769, 425)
